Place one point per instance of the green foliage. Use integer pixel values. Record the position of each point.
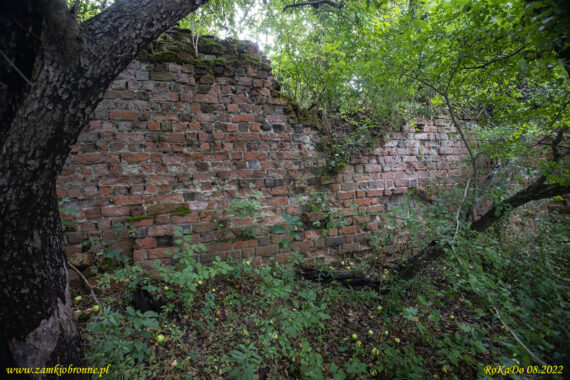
(250, 206)
(121, 340)
(138, 218)
(292, 231)
(90, 8)
(63, 210)
(182, 211)
(341, 144)
(188, 273)
(244, 318)
(246, 360)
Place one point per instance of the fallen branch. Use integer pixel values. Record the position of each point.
(347, 278)
(532, 354)
(411, 266)
(86, 282)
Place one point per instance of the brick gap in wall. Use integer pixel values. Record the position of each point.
(171, 144)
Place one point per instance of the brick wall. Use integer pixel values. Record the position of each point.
(195, 134)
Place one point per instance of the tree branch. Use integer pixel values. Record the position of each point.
(315, 4)
(21, 74)
(501, 57)
(75, 8)
(532, 354)
(86, 282)
(117, 34)
(537, 190)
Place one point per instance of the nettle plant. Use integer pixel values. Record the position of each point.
(247, 207)
(187, 273)
(250, 206)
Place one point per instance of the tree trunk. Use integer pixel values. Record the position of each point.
(535, 191)
(53, 73)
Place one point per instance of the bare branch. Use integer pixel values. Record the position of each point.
(29, 82)
(532, 354)
(499, 58)
(75, 8)
(315, 4)
(86, 283)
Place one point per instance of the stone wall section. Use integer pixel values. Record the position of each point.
(173, 137)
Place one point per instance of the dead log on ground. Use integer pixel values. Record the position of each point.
(347, 278)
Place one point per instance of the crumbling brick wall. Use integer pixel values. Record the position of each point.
(174, 142)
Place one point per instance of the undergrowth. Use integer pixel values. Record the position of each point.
(453, 320)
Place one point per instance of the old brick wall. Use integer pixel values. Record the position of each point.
(191, 134)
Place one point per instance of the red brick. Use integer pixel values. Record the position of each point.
(278, 201)
(123, 115)
(206, 98)
(88, 158)
(135, 157)
(115, 211)
(359, 202)
(268, 250)
(244, 173)
(140, 255)
(373, 168)
(240, 99)
(204, 227)
(161, 231)
(348, 230)
(159, 253)
(247, 136)
(143, 223)
(127, 200)
(226, 246)
(222, 156)
(92, 213)
(284, 258)
(255, 156)
(243, 118)
(345, 195)
(192, 218)
(375, 193)
(161, 209)
(245, 244)
(312, 235)
(303, 246)
(145, 243)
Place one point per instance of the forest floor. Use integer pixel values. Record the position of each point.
(245, 322)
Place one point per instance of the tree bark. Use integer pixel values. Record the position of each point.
(535, 191)
(53, 74)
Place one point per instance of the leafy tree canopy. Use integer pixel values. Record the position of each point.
(500, 68)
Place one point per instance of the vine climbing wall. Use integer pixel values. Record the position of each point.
(185, 141)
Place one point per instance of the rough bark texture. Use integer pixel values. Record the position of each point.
(53, 73)
(535, 191)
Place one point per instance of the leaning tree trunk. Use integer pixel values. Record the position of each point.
(53, 73)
